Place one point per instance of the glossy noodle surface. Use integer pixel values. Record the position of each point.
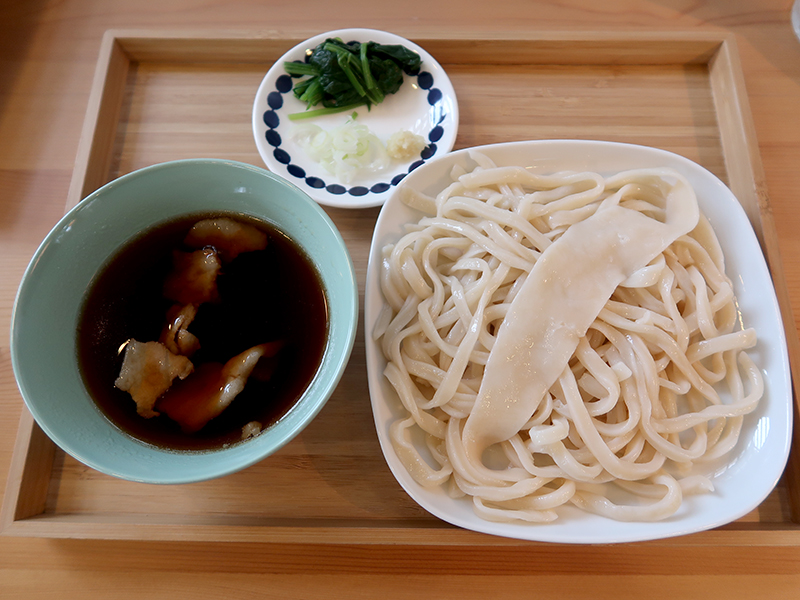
(564, 339)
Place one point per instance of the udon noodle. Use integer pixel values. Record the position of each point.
(569, 339)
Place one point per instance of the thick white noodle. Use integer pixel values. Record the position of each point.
(564, 339)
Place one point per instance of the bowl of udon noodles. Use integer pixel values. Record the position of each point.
(184, 321)
(577, 342)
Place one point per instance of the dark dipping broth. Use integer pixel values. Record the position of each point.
(265, 295)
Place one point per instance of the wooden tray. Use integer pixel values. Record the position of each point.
(159, 97)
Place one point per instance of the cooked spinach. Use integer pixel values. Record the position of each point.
(341, 76)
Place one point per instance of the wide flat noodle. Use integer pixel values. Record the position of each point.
(563, 294)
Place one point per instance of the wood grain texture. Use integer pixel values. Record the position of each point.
(331, 484)
(181, 586)
(48, 58)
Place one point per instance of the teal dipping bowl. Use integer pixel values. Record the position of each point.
(51, 294)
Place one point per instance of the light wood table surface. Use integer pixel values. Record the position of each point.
(48, 53)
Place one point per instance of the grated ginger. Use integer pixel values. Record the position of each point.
(404, 145)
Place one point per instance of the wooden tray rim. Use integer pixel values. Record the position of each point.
(29, 473)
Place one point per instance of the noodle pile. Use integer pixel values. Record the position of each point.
(563, 339)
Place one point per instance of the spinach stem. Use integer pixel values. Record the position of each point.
(318, 112)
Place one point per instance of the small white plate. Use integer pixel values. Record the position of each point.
(425, 105)
(744, 478)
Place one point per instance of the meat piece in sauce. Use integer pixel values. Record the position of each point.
(193, 279)
(211, 388)
(148, 370)
(251, 429)
(176, 335)
(228, 237)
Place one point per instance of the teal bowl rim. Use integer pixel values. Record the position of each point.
(262, 449)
